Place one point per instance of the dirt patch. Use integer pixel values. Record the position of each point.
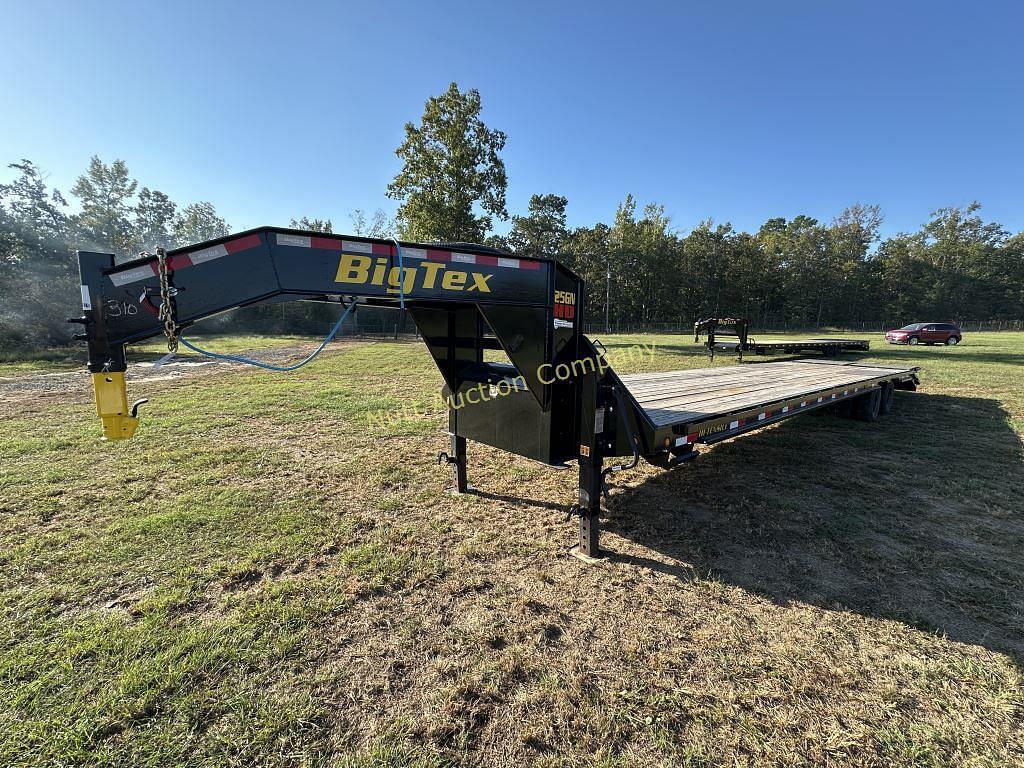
(48, 386)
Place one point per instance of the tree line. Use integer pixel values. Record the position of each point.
(452, 187)
(795, 272)
(792, 272)
(39, 236)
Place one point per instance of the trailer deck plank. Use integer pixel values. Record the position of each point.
(678, 397)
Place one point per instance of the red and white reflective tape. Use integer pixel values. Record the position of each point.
(384, 249)
(191, 258)
(764, 415)
(691, 438)
(183, 260)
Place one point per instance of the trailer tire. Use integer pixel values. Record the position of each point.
(865, 407)
(886, 402)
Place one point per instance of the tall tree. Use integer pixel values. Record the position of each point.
(450, 169)
(542, 232)
(154, 219)
(38, 211)
(198, 222)
(37, 269)
(587, 251)
(851, 235)
(105, 193)
(959, 244)
(641, 259)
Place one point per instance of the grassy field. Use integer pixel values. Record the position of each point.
(261, 577)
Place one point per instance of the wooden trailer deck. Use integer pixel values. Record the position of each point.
(704, 394)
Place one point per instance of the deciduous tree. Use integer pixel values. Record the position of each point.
(452, 179)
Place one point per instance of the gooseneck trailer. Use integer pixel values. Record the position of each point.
(732, 335)
(556, 400)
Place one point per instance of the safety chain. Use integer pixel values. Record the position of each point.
(167, 308)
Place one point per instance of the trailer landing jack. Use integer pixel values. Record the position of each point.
(589, 510)
(457, 461)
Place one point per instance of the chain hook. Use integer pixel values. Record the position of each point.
(167, 308)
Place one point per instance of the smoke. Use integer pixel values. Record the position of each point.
(38, 289)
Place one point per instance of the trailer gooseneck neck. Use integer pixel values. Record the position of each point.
(464, 300)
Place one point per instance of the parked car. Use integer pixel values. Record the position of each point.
(926, 333)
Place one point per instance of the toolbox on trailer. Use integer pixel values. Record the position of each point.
(556, 399)
(732, 335)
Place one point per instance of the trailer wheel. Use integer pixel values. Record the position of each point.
(865, 407)
(886, 400)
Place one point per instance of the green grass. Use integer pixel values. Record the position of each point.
(263, 577)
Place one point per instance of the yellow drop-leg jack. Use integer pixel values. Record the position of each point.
(119, 422)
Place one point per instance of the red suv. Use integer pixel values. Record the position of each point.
(926, 333)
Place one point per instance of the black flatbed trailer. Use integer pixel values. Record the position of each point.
(683, 408)
(829, 346)
(732, 335)
(556, 400)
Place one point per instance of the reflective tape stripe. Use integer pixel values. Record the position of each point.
(354, 245)
(208, 254)
(296, 240)
(188, 259)
(132, 275)
(182, 260)
(384, 249)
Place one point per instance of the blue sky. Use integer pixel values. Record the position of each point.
(738, 111)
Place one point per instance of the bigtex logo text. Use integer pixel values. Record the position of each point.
(367, 270)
